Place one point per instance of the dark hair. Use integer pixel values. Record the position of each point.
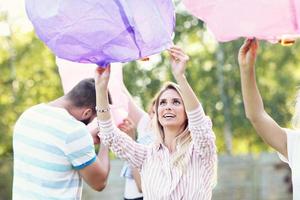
(83, 94)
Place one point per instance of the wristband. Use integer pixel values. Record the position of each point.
(102, 110)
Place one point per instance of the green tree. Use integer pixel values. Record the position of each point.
(214, 75)
(29, 76)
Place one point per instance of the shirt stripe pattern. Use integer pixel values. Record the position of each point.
(160, 179)
(145, 136)
(49, 145)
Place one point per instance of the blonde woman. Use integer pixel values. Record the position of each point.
(285, 141)
(181, 163)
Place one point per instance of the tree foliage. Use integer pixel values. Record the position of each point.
(29, 76)
(213, 71)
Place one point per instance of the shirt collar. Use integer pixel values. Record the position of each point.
(160, 145)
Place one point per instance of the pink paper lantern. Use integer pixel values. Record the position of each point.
(264, 19)
(71, 73)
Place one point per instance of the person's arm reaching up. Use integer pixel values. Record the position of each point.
(119, 142)
(265, 126)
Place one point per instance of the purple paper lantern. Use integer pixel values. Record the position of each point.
(103, 31)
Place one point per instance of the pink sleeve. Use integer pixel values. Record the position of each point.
(203, 136)
(121, 144)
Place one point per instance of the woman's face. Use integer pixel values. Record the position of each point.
(171, 111)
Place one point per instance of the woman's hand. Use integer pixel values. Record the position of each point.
(178, 61)
(102, 77)
(248, 53)
(101, 84)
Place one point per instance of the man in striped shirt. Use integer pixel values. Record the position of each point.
(53, 149)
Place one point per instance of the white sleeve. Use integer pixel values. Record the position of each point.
(145, 130)
(293, 139)
(143, 124)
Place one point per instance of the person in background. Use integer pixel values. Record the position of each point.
(283, 140)
(144, 134)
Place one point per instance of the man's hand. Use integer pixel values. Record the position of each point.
(94, 133)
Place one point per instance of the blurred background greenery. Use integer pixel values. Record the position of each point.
(28, 76)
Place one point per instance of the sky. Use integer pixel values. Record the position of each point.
(16, 16)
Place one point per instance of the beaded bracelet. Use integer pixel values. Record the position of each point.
(102, 110)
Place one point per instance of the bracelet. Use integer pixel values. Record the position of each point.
(102, 110)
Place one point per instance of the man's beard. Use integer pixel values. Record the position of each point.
(86, 121)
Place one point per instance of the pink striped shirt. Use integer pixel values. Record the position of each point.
(160, 179)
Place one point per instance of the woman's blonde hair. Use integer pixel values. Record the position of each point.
(151, 107)
(180, 157)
